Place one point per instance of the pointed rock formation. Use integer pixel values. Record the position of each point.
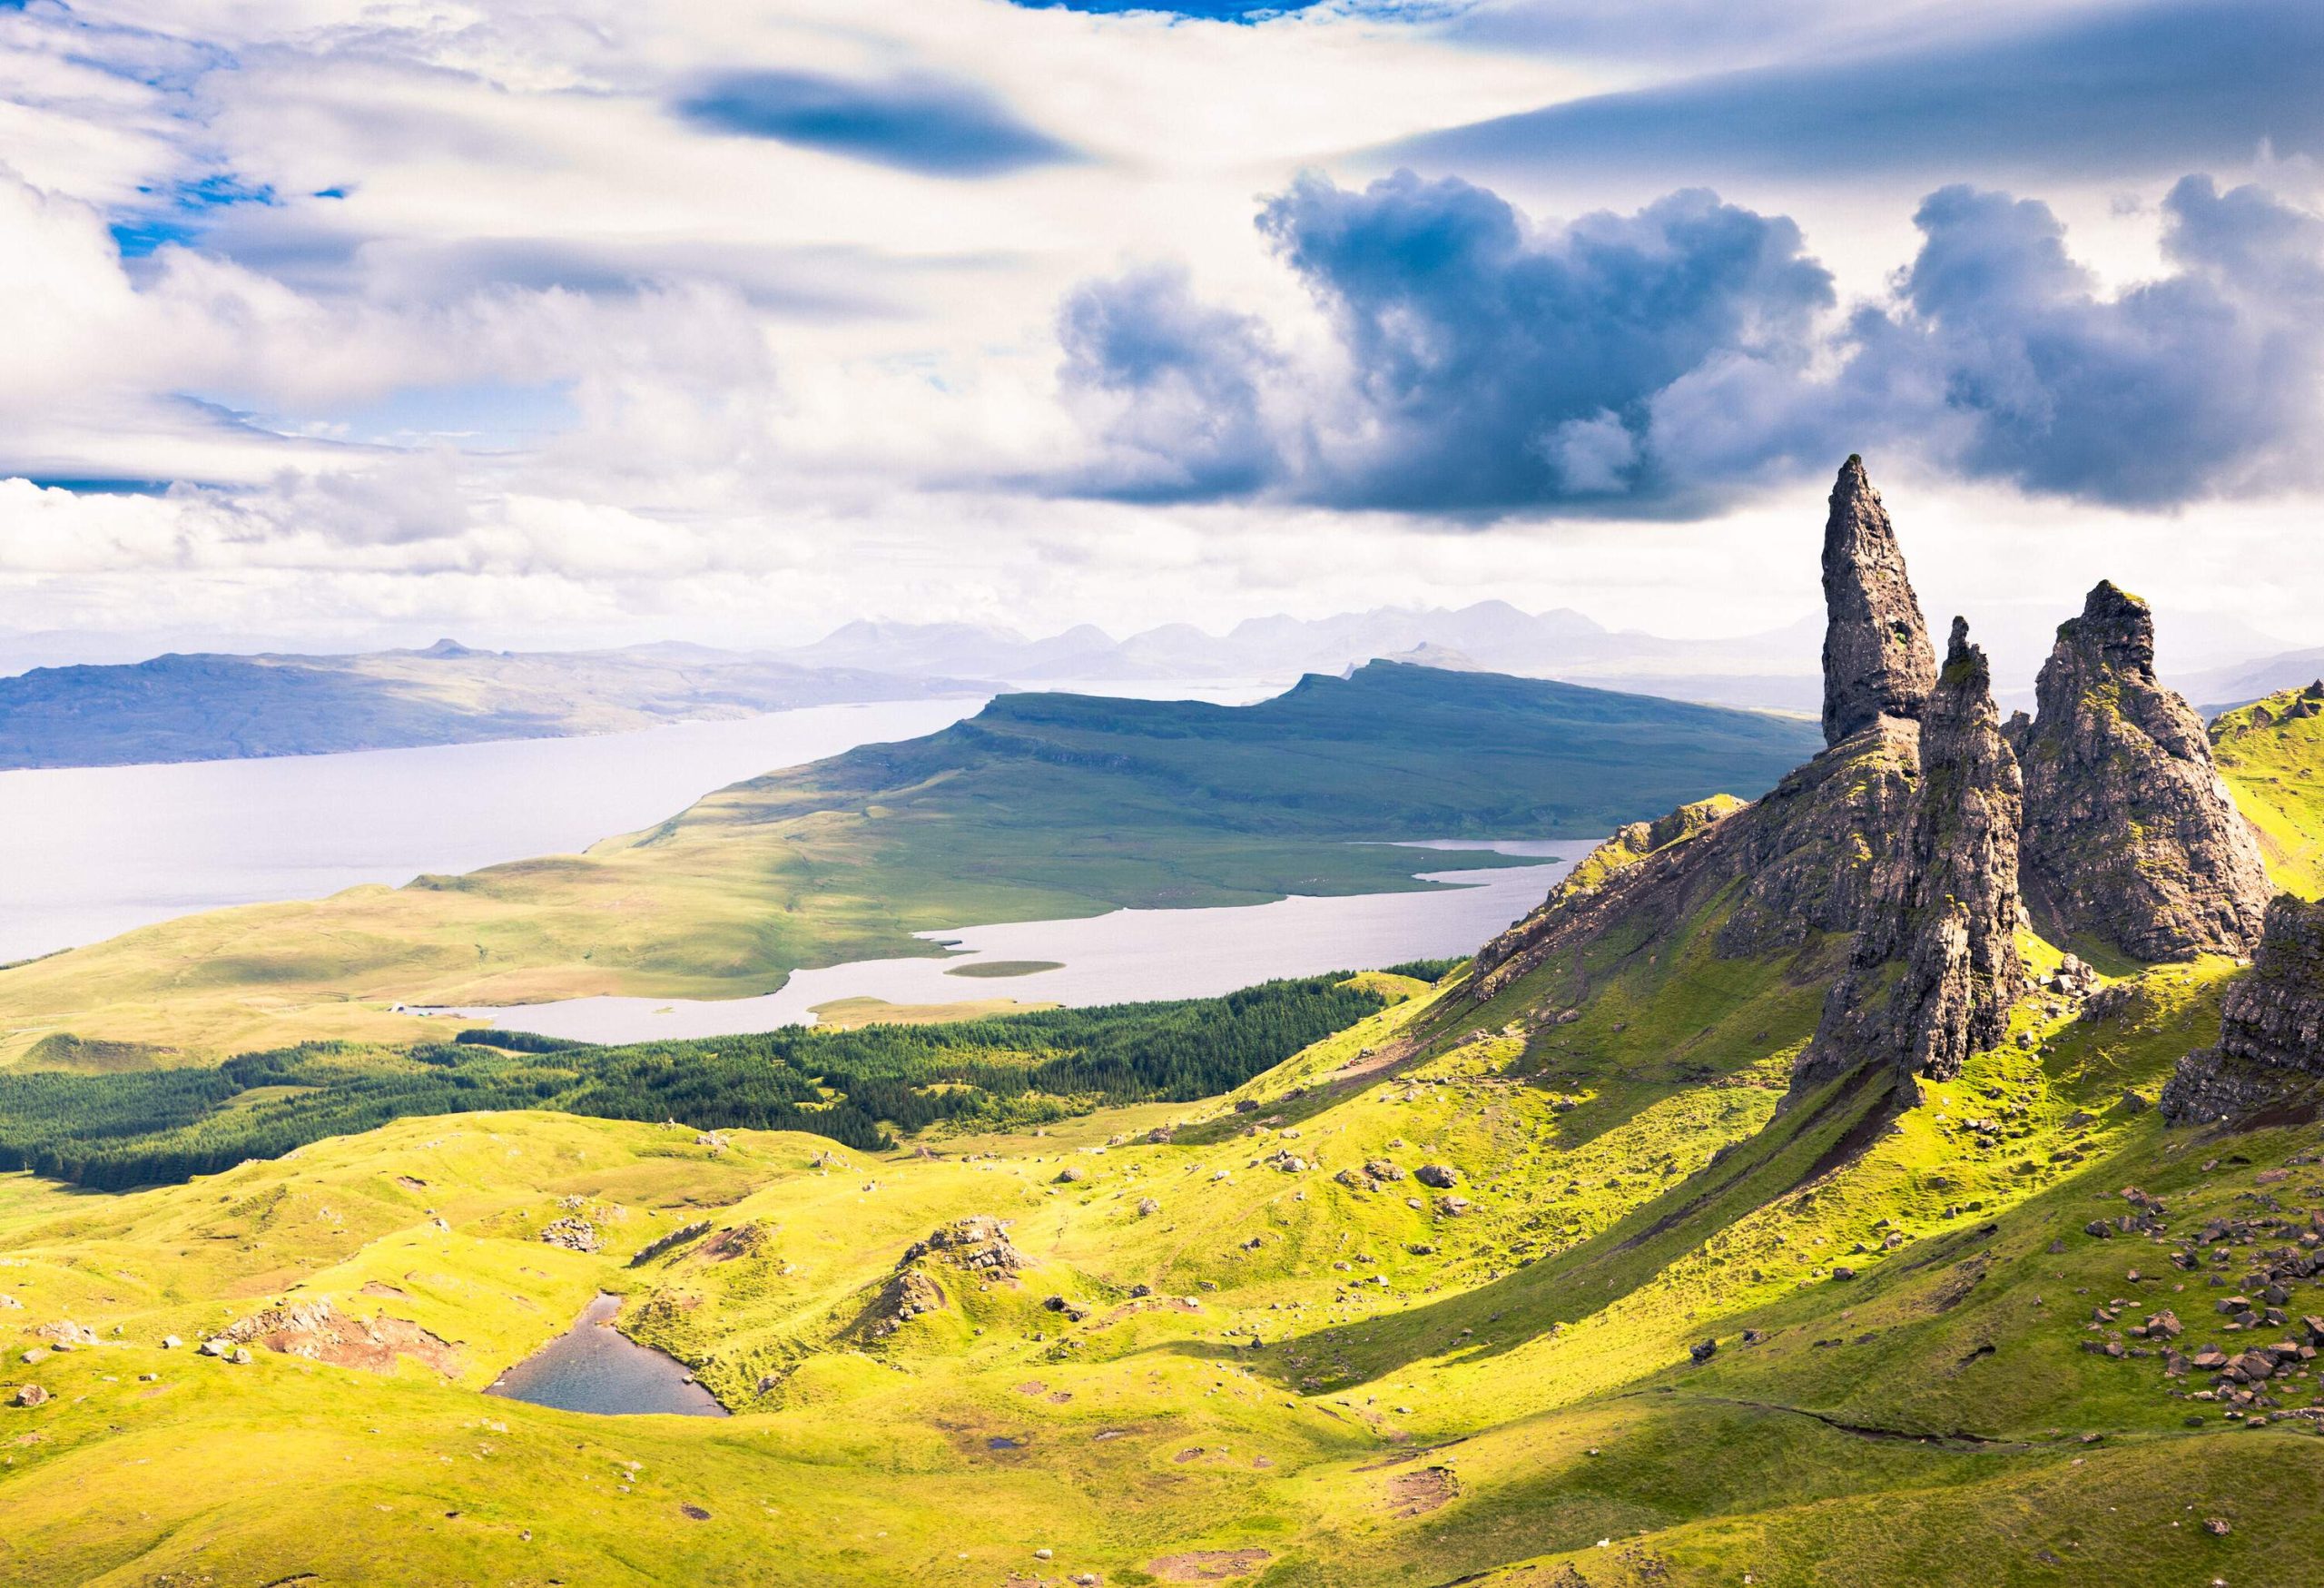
(2132, 840)
(2271, 1026)
(1935, 967)
(1876, 657)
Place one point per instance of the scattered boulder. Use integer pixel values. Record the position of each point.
(65, 1335)
(1442, 1176)
(32, 1394)
(575, 1235)
(979, 1244)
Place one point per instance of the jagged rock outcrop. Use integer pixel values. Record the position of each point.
(1798, 865)
(2271, 1026)
(1793, 867)
(2132, 840)
(1934, 967)
(977, 1244)
(1876, 657)
(1887, 864)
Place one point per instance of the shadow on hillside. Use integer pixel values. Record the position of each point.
(1791, 1151)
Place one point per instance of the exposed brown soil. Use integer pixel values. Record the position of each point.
(1415, 1493)
(1208, 1565)
(320, 1333)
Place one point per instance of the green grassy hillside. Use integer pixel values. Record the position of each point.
(1275, 1355)
(2271, 754)
(1042, 806)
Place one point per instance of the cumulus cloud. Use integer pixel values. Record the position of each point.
(1657, 362)
(1488, 365)
(2201, 381)
(1172, 383)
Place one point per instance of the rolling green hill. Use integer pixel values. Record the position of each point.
(2271, 754)
(1041, 806)
(1275, 1357)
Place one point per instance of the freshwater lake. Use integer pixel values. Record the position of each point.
(1127, 955)
(594, 1367)
(103, 849)
(106, 848)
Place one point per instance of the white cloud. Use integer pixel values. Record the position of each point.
(781, 378)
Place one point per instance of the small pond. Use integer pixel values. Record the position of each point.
(594, 1367)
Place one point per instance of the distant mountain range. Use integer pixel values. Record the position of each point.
(1775, 670)
(2218, 689)
(209, 707)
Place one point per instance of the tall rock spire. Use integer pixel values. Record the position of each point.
(2133, 841)
(1934, 967)
(1876, 656)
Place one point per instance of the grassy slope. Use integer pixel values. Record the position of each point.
(1524, 1362)
(1044, 806)
(2272, 760)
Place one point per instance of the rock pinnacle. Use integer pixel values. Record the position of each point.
(1877, 661)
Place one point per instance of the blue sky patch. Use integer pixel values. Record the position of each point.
(935, 126)
(482, 415)
(1202, 10)
(177, 215)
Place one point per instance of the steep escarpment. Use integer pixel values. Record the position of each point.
(2133, 843)
(1934, 967)
(2271, 1027)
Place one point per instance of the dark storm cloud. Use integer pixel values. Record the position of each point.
(1655, 364)
(1490, 368)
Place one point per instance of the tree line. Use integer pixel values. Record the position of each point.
(855, 1086)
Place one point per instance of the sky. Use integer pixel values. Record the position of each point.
(330, 324)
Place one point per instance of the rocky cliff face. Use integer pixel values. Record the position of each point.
(2131, 841)
(1934, 967)
(2271, 1026)
(1876, 657)
(1795, 866)
(1908, 837)
(1856, 836)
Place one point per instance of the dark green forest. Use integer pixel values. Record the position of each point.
(855, 1086)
